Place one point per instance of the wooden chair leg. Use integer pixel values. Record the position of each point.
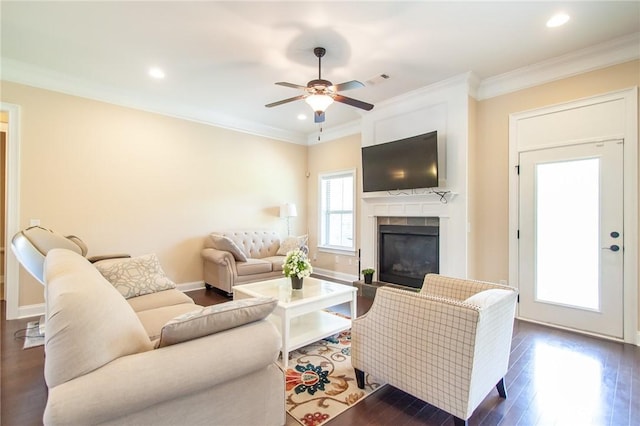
(360, 378)
(457, 421)
(502, 391)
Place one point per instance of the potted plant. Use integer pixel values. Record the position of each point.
(368, 275)
(296, 266)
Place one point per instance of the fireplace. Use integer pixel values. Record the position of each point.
(406, 253)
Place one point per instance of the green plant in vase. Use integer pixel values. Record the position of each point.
(368, 275)
(296, 266)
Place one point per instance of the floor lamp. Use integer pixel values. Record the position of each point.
(288, 210)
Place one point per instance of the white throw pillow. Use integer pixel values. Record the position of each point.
(215, 318)
(486, 297)
(220, 242)
(292, 243)
(135, 276)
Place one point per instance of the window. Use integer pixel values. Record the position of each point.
(337, 215)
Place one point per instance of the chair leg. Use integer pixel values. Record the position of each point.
(360, 378)
(502, 391)
(457, 421)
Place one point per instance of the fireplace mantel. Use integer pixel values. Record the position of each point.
(416, 206)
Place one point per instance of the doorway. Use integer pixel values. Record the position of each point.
(3, 168)
(573, 214)
(571, 237)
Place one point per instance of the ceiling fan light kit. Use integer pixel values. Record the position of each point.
(319, 93)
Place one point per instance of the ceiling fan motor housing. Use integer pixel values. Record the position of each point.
(319, 85)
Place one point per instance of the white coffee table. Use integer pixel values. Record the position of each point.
(300, 315)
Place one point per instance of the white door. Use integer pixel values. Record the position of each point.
(571, 237)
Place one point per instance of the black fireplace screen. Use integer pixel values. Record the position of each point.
(407, 253)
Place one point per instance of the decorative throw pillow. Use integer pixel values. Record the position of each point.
(486, 297)
(292, 243)
(221, 242)
(215, 318)
(135, 276)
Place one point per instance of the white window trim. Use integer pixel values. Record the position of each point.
(336, 249)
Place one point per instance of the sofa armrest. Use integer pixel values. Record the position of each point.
(220, 257)
(136, 382)
(456, 288)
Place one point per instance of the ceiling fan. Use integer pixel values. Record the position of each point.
(319, 94)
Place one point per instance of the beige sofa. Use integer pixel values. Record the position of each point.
(239, 257)
(102, 365)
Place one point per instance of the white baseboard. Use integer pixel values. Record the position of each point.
(333, 274)
(194, 285)
(28, 311)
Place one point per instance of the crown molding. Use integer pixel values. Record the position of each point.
(602, 55)
(614, 52)
(29, 75)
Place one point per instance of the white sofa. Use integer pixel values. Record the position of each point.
(239, 257)
(101, 365)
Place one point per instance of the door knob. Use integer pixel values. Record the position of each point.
(612, 247)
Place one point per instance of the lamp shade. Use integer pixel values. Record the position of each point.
(288, 210)
(319, 103)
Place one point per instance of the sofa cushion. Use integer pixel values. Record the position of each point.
(154, 319)
(220, 242)
(159, 299)
(254, 266)
(135, 276)
(485, 298)
(88, 322)
(215, 318)
(276, 262)
(292, 243)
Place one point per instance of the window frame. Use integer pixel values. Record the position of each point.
(322, 177)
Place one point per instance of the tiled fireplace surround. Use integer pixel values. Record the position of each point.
(417, 210)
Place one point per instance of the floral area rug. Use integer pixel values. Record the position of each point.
(321, 383)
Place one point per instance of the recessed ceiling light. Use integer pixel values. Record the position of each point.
(558, 20)
(156, 72)
(302, 117)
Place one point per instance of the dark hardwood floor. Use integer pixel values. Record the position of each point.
(555, 378)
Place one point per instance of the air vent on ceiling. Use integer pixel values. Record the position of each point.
(377, 79)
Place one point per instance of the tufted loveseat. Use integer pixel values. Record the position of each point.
(240, 257)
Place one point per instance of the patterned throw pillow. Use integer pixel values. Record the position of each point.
(292, 243)
(215, 318)
(220, 242)
(135, 276)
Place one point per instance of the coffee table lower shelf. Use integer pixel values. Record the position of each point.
(309, 328)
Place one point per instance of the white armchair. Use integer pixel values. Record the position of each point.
(447, 345)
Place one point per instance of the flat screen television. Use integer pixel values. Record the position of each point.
(403, 164)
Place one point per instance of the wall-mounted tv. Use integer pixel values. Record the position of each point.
(403, 164)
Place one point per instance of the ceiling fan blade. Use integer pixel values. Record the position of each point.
(348, 85)
(284, 101)
(353, 102)
(293, 86)
(318, 117)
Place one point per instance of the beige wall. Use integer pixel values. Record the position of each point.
(340, 154)
(489, 200)
(130, 181)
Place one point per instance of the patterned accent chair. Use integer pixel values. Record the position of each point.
(447, 345)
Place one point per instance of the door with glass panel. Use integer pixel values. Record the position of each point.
(571, 237)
